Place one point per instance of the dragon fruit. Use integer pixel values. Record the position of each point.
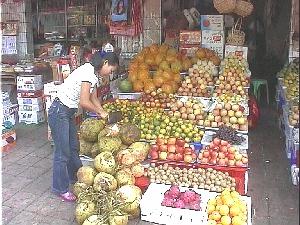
(195, 205)
(174, 191)
(188, 196)
(179, 204)
(167, 202)
(197, 198)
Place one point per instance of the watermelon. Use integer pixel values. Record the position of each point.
(125, 86)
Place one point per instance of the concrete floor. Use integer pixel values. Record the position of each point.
(26, 179)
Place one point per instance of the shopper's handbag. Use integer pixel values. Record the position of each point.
(236, 36)
(224, 6)
(243, 8)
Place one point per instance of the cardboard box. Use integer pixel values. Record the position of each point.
(187, 37)
(236, 50)
(30, 82)
(50, 89)
(212, 22)
(213, 37)
(30, 101)
(8, 140)
(188, 50)
(219, 49)
(31, 117)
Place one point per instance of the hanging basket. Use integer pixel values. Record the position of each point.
(236, 36)
(243, 8)
(224, 6)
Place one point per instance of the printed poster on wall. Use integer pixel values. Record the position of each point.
(119, 9)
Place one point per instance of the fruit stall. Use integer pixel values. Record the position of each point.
(287, 98)
(181, 144)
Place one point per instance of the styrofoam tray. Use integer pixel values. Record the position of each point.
(207, 138)
(156, 213)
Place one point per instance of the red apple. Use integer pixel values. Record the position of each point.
(226, 161)
(180, 150)
(180, 142)
(216, 148)
(188, 158)
(172, 148)
(179, 157)
(163, 155)
(230, 156)
(214, 155)
(223, 148)
(217, 141)
(222, 162)
(172, 141)
(188, 150)
(204, 160)
(171, 156)
(153, 154)
(194, 156)
(239, 163)
(231, 162)
(160, 141)
(221, 155)
(205, 154)
(224, 143)
(154, 147)
(211, 145)
(213, 161)
(163, 148)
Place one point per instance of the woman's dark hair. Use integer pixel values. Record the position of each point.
(98, 59)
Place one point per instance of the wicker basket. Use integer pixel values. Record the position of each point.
(236, 36)
(224, 6)
(243, 8)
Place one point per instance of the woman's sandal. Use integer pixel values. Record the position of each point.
(68, 197)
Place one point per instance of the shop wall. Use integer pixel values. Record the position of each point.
(21, 11)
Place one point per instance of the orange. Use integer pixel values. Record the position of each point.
(219, 200)
(224, 210)
(234, 210)
(236, 220)
(228, 201)
(211, 222)
(225, 220)
(212, 201)
(235, 194)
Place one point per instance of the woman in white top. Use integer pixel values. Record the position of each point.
(78, 89)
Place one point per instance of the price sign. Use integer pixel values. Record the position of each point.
(9, 28)
(9, 45)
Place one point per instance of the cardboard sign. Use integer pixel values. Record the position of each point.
(9, 45)
(236, 50)
(212, 22)
(213, 37)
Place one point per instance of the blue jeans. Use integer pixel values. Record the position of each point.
(66, 161)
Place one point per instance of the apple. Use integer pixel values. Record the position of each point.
(180, 142)
(213, 161)
(216, 148)
(204, 160)
(245, 160)
(211, 118)
(233, 120)
(163, 155)
(221, 155)
(238, 156)
(222, 162)
(154, 154)
(231, 162)
(238, 114)
(239, 163)
(218, 119)
(224, 143)
(178, 157)
(188, 158)
(223, 149)
(214, 155)
(171, 156)
(160, 141)
(230, 156)
(217, 141)
(223, 112)
(163, 148)
(211, 145)
(205, 154)
(230, 113)
(231, 149)
(194, 156)
(188, 150)
(241, 120)
(180, 150)
(171, 148)
(172, 141)
(214, 124)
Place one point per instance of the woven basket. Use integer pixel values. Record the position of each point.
(236, 36)
(224, 6)
(243, 8)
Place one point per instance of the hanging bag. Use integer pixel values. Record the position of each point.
(243, 8)
(224, 6)
(236, 36)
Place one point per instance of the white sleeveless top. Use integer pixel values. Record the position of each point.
(69, 91)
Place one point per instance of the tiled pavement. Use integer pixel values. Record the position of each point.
(26, 180)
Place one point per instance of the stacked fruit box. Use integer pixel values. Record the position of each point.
(30, 99)
(9, 117)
